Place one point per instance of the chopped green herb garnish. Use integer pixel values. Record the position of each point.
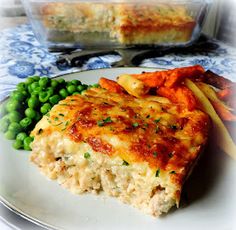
(158, 173)
(170, 154)
(136, 124)
(157, 120)
(125, 163)
(157, 129)
(174, 127)
(86, 155)
(146, 125)
(155, 154)
(58, 124)
(56, 119)
(107, 120)
(172, 172)
(62, 115)
(148, 116)
(101, 123)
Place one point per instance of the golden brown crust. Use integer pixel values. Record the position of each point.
(165, 136)
(128, 23)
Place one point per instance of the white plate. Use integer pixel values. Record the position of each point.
(211, 191)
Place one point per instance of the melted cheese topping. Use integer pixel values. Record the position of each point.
(164, 136)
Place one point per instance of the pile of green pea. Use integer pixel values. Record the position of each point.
(29, 102)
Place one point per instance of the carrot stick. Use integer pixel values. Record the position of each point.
(180, 95)
(170, 78)
(111, 85)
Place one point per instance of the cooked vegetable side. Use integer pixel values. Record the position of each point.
(29, 102)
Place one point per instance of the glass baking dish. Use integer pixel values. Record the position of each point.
(116, 24)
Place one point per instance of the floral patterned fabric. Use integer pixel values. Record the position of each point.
(21, 56)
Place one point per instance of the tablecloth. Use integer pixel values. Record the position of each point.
(21, 56)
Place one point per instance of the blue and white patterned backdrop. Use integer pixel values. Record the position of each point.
(21, 56)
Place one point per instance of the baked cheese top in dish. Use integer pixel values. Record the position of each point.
(136, 149)
(127, 23)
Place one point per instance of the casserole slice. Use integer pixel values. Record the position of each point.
(138, 150)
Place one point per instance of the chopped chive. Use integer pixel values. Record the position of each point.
(148, 116)
(125, 163)
(58, 124)
(56, 119)
(157, 120)
(157, 129)
(174, 127)
(100, 123)
(61, 114)
(86, 155)
(136, 124)
(146, 125)
(158, 173)
(107, 120)
(173, 172)
(155, 154)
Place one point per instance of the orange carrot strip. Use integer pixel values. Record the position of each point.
(177, 75)
(169, 78)
(180, 95)
(110, 85)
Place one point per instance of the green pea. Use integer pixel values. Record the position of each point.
(18, 144)
(63, 93)
(50, 90)
(95, 85)
(10, 135)
(75, 93)
(29, 88)
(71, 89)
(26, 122)
(36, 78)
(82, 92)
(45, 108)
(44, 96)
(29, 81)
(54, 99)
(21, 86)
(75, 82)
(43, 82)
(15, 127)
(14, 116)
(81, 88)
(37, 90)
(4, 123)
(21, 136)
(27, 141)
(33, 102)
(18, 95)
(54, 83)
(31, 113)
(61, 81)
(34, 85)
(12, 105)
